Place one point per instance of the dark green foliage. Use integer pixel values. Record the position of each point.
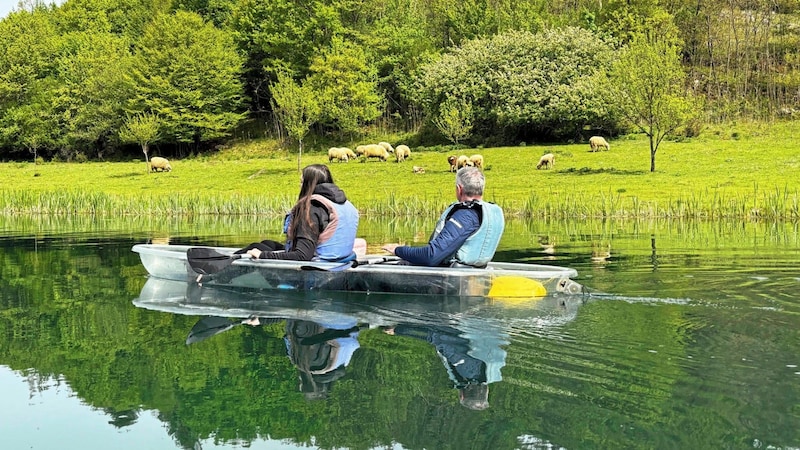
(187, 72)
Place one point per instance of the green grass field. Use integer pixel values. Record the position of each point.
(732, 172)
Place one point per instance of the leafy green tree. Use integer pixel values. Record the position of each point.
(34, 122)
(397, 44)
(346, 88)
(522, 84)
(284, 36)
(141, 129)
(89, 90)
(454, 120)
(29, 40)
(649, 89)
(187, 72)
(297, 108)
(119, 17)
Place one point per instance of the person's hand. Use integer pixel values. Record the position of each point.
(254, 253)
(390, 247)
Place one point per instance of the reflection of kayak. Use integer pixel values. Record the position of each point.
(346, 308)
(372, 274)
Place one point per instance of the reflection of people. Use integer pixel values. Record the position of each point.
(472, 361)
(467, 233)
(320, 352)
(321, 225)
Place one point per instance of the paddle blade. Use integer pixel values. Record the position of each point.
(207, 261)
(209, 326)
(514, 287)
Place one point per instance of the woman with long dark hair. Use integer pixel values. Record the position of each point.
(322, 224)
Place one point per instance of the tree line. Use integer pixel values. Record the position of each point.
(86, 78)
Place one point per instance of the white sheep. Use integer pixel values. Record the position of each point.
(595, 142)
(387, 146)
(462, 161)
(417, 169)
(375, 151)
(477, 161)
(547, 161)
(360, 150)
(402, 152)
(158, 163)
(350, 153)
(337, 153)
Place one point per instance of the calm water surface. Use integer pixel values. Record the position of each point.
(688, 337)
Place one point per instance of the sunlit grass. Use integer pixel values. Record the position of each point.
(742, 172)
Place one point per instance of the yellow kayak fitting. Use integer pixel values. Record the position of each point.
(509, 286)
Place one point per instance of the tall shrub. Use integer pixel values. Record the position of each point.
(522, 84)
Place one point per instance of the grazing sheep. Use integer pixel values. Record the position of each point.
(375, 151)
(547, 161)
(350, 153)
(402, 152)
(462, 161)
(477, 161)
(595, 142)
(387, 146)
(418, 169)
(159, 164)
(452, 161)
(337, 153)
(360, 150)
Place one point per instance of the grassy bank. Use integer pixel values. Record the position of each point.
(736, 172)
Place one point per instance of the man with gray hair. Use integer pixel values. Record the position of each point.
(467, 233)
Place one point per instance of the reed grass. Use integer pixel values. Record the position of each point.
(742, 172)
(778, 204)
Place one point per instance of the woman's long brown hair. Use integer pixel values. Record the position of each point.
(312, 176)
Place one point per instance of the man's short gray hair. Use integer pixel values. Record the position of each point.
(471, 181)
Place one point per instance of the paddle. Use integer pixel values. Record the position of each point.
(350, 264)
(208, 261)
(210, 325)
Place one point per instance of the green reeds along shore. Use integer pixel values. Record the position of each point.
(747, 174)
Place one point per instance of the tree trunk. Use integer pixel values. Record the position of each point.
(652, 154)
(145, 149)
(299, 155)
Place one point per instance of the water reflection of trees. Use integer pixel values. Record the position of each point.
(65, 314)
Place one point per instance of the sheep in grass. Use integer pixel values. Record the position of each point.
(452, 161)
(595, 142)
(547, 161)
(402, 152)
(418, 169)
(387, 146)
(463, 161)
(159, 164)
(477, 161)
(375, 151)
(350, 153)
(338, 154)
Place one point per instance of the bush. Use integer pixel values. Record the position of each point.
(524, 86)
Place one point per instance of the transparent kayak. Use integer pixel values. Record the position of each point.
(372, 273)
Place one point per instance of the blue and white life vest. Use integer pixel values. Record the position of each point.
(479, 248)
(336, 241)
